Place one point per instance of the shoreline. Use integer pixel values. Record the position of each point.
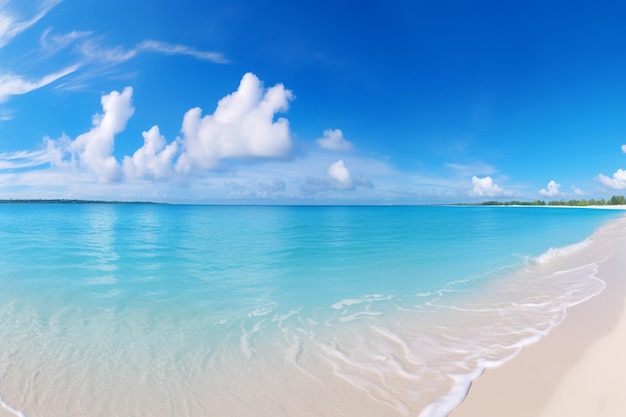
(573, 370)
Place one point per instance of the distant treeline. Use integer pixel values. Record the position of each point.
(616, 200)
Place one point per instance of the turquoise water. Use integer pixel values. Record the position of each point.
(140, 309)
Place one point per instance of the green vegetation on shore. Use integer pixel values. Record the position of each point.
(616, 200)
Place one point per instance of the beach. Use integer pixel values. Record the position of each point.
(282, 311)
(578, 369)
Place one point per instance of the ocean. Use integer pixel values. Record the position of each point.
(175, 310)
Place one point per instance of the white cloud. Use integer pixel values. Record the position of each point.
(551, 190)
(242, 127)
(13, 85)
(340, 174)
(617, 182)
(333, 140)
(624, 148)
(169, 49)
(52, 43)
(93, 150)
(577, 191)
(153, 160)
(478, 168)
(485, 187)
(91, 48)
(6, 115)
(92, 51)
(12, 25)
(23, 159)
(338, 178)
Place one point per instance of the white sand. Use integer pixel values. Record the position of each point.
(579, 369)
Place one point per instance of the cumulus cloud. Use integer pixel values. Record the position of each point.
(242, 127)
(13, 85)
(617, 182)
(338, 177)
(624, 148)
(154, 159)
(340, 174)
(333, 140)
(551, 190)
(93, 150)
(485, 187)
(577, 190)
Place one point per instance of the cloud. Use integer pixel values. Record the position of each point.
(333, 140)
(13, 85)
(92, 51)
(551, 190)
(6, 115)
(93, 150)
(52, 43)
(12, 25)
(23, 159)
(340, 174)
(242, 127)
(169, 49)
(338, 178)
(577, 191)
(617, 182)
(247, 189)
(624, 148)
(485, 187)
(154, 160)
(90, 48)
(478, 168)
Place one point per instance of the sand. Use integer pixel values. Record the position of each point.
(579, 368)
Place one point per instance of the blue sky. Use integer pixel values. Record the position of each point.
(383, 102)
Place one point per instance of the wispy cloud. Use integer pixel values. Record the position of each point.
(52, 43)
(6, 115)
(467, 170)
(13, 85)
(23, 159)
(92, 48)
(11, 24)
(83, 50)
(169, 49)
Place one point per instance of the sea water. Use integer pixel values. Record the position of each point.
(171, 310)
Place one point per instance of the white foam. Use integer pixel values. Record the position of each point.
(555, 253)
(345, 319)
(10, 409)
(348, 302)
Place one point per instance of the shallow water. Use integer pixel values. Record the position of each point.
(275, 311)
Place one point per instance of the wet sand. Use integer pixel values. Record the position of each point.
(579, 368)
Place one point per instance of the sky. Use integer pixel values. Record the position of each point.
(325, 102)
